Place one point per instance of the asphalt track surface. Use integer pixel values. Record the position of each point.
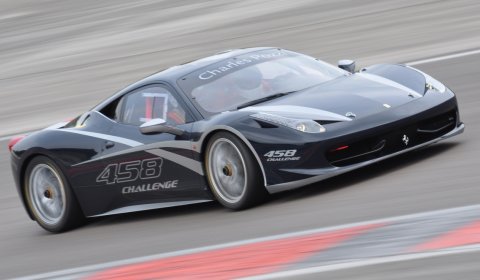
(59, 58)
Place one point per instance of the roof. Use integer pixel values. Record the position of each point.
(175, 72)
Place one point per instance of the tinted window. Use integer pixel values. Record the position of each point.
(149, 103)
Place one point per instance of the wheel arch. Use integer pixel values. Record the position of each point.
(208, 135)
(21, 182)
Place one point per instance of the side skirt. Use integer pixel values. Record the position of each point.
(143, 207)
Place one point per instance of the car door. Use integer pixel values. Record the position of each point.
(149, 171)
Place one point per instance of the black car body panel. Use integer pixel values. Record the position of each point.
(382, 111)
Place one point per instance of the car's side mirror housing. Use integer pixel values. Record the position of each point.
(347, 65)
(155, 126)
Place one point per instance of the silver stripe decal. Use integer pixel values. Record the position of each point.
(186, 162)
(302, 112)
(150, 206)
(180, 144)
(385, 81)
(117, 139)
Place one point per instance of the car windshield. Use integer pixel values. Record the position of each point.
(241, 80)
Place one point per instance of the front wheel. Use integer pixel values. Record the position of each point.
(232, 172)
(49, 196)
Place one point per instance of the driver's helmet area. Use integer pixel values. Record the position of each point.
(247, 83)
(234, 88)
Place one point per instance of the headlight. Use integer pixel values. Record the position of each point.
(303, 125)
(431, 83)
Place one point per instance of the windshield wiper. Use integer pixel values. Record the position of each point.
(263, 99)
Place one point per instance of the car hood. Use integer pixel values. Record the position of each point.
(341, 99)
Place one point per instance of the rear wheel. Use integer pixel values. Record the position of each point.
(233, 174)
(49, 196)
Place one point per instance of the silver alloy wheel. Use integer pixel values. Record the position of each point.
(47, 193)
(227, 170)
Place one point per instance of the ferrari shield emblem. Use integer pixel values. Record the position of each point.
(405, 139)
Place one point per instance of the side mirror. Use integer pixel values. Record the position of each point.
(156, 126)
(347, 65)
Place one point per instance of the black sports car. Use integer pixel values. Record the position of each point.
(233, 127)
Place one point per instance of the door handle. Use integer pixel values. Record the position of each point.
(109, 144)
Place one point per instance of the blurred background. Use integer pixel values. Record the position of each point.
(60, 58)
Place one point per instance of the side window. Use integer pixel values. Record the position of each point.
(148, 103)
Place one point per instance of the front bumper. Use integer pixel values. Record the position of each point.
(320, 174)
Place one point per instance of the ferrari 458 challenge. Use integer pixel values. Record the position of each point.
(231, 127)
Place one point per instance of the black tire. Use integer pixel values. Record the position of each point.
(49, 196)
(234, 176)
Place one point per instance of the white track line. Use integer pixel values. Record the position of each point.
(365, 262)
(73, 273)
(443, 57)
